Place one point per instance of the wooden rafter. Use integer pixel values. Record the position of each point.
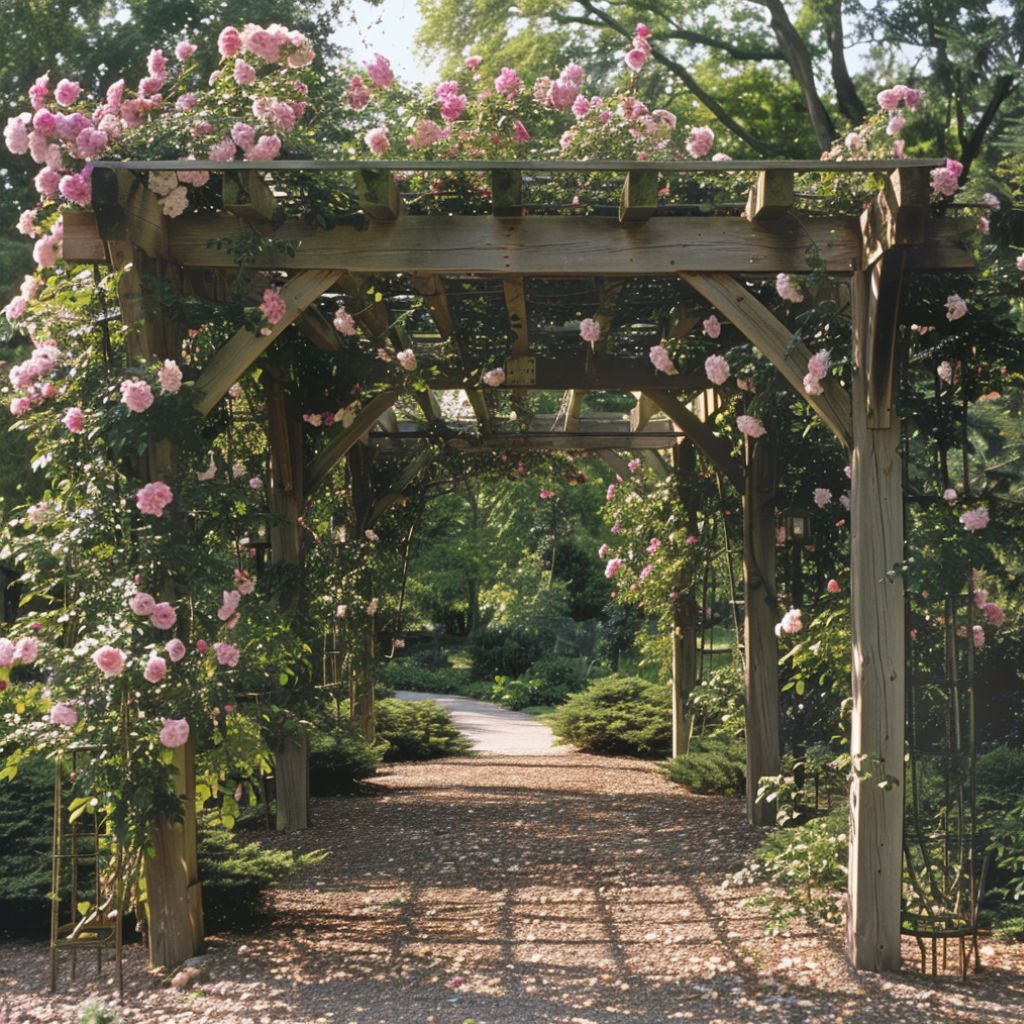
(235, 357)
(771, 196)
(314, 326)
(775, 341)
(538, 246)
(717, 450)
(639, 197)
(247, 195)
(574, 403)
(378, 194)
(431, 289)
(124, 209)
(412, 469)
(341, 439)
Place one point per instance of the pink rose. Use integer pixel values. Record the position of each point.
(717, 369)
(142, 603)
(26, 650)
(110, 660)
(661, 360)
(226, 654)
(174, 732)
(273, 307)
(833, 586)
(377, 140)
(712, 326)
(750, 426)
(494, 378)
(175, 650)
(407, 360)
(590, 330)
(613, 566)
(975, 519)
(170, 377)
(136, 394)
(163, 616)
(202, 646)
(74, 420)
(63, 714)
(156, 669)
(154, 498)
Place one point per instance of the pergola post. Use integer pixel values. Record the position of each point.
(760, 645)
(287, 490)
(684, 631)
(876, 593)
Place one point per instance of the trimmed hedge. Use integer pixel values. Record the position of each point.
(618, 715)
(418, 731)
(716, 765)
(339, 760)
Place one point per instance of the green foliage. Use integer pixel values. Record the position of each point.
(339, 760)
(95, 1011)
(26, 836)
(807, 865)
(235, 877)
(418, 731)
(617, 715)
(714, 765)
(412, 674)
(548, 681)
(718, 702)
(502, 652)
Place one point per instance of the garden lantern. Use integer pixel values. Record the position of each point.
(798, 526)
(257, 541)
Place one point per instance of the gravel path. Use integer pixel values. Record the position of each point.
(492, 728)
(525, 890)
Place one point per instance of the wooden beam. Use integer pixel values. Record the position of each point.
(431, 289)
(389, 421)
(878, 671)
(409, 473)
(880, 342)
(507, 193)
(654, 461)
(616, 462)
(314, 325)
(235, 357)
(378, 194)
(125, 209)
(552, 441)
(247, 195)
(340, 439)
(574, 402)
(717, 450)
(774, 340)
(898, 215)
(360, 300)
(478, 400)
(540, 246)
(518, 317)
(771, 196)
(641, 413)
(639, 198)
(761, 614)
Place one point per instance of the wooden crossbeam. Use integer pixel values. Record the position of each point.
(125, 209)
(717, 450)
(314, 325)
(639, 197)
(549, 441)
(655, 462)
(478, 400)
(899, 214)
(235, 357)
(247, 195)
(615, 461)
(771, 196)
(371, 315)
(641, 413)
(574, 399)
(539, 246)
(431, 288)
(518, 318)
(412, 470)
(378, 194)
(340, 439)
(775, 341)
(507, 193)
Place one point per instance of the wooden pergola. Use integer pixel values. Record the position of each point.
(514, 267)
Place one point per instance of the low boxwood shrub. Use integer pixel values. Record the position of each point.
(715, 765)
(236, 876)
(418, 731)
(618, 715)
(339, 760)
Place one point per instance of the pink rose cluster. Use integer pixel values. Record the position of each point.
(590, 330)
(975, 519)
(29, 291)
(152, 499)
(14, 653)
(750, 426)
(817, 371)
(717, 369)
(662, 362)
(787, 289)
(640, 51)
(946, 180)
(28, 376)
(791, 623)
(273, 307)
(494, 378)
(161, 614)
(274, 44)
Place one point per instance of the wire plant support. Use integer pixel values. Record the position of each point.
(943, 876)
(88, 893)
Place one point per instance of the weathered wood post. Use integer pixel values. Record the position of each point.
(877, 727)
(684, 624)
(363, 698)
(287, 494)
(761, 614)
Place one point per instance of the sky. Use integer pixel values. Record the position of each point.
(388, 28)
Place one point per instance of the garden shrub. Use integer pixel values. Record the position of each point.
(716, 765)
(548, 681)
(26, 837)
(412, 674)
(502, 651)
(418, 731)
(95, 1011)
(618, 715)
(236, 877)
(338, 760)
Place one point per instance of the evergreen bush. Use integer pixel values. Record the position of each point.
(338, 760)
(618, 715)
(418, 731)
(715, 765)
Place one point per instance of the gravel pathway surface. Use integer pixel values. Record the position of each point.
(524, 890)
(492, 728)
